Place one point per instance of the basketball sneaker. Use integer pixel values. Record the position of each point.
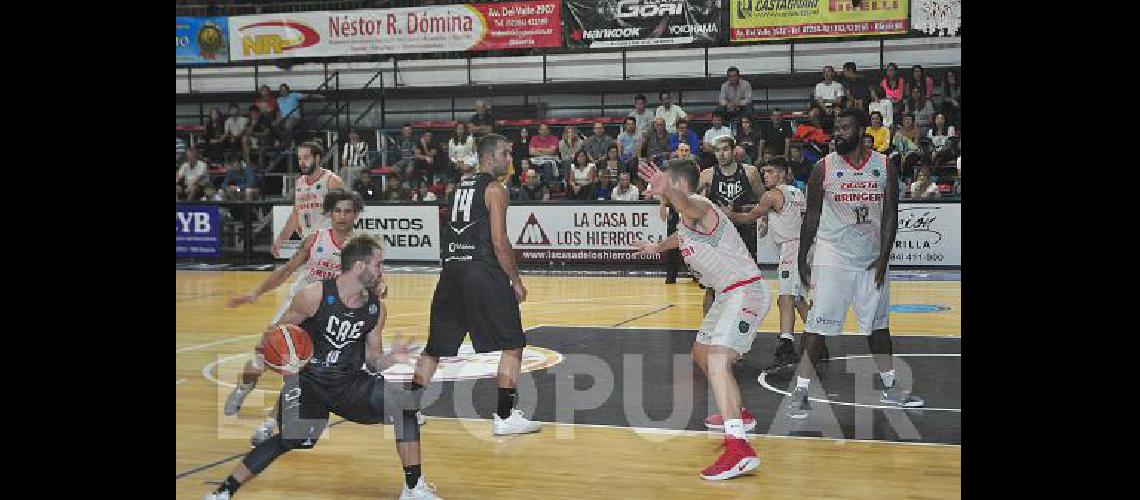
(422, 491)
(738, 458)
(235, 399)
(716, 421)
(800, 407)
(785, 355)
(224, 495)
(896, 396)
(515, 424)
(262, 432)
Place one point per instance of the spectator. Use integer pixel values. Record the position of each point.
(354, 158)
(266, 102)
(239, 178)
(683, 151)
(625, 191)
(856, 86)
(716, 130)
(429, 153)
(923, 188)
(461, 147)
(482, 122)
(544, 152)
(235, 128)
(920, 80)
(191, 178)
(813, 139)
(256, 134)
(905, 144)
(215, 132)
(368, 190)
(684, 134)
(423, 194)
(669, 112)
(533, 188)
(597, 145)
(655, 143)
(894, 88)
(406, 147)
(749, 138)
(740, 155)
(602, 188)
(580, 176)
(570, 145)
(941, 141)
(881, 104)
(799, 166)
(520, 153)
(778, 136)
(868, 141)
(880, 134)
(922, 109)
(643, 116)
(735, 97)
(612, 165)
(952, 97)
(288, 106)
(828, 92)
(628, 138)
(396, 192)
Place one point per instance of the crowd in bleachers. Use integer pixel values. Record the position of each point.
(596, 158)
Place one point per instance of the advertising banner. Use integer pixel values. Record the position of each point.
(754, 20)
(638, 23)
(603, 233)
(201, 40)
(409, 232)
(197, 230)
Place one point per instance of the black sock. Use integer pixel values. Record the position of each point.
(230, 484)
(507, 397)
(412, 475)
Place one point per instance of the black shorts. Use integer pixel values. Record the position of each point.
(305, 403)
(474, 297)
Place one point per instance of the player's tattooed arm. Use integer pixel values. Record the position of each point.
(890, 225)
(643, 248)
(753, 175)
(810, 224)
(303, 306)
(767, 203)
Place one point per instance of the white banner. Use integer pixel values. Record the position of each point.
(583, 233)
(409, 232)
(928, 234)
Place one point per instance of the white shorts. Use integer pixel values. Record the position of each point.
(834, 289)
(789, 269)
(734, 315)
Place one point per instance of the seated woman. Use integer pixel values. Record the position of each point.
(580, 177)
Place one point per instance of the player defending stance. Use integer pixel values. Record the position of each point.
(479, 289)
(344, 316)
(780, 212)
(711, 246)
(851, 218)
(311, 188)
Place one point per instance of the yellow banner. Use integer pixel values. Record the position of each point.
(752, 20)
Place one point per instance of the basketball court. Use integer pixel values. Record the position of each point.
(609, 372)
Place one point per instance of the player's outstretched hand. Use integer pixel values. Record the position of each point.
(401, 349)
(275, 249)
(238, 300)
(644, 248)
(520, 291)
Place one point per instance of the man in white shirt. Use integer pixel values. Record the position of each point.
(669, 112)
(643, 116)
(625, 191)
(191, 177)
(235, 129)
(716, 130)
(827, 91)
(735, 97)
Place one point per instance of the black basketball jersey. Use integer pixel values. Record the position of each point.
(732, 190)
(339, 335)
(468, 236)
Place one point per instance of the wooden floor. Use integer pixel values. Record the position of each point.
(563, 461)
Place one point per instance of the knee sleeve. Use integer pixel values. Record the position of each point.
(407, 427)
(265, 453)
(880, 341)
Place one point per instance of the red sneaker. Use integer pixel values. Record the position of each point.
(738, 458)
(717, 422)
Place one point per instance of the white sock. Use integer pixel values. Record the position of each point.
(888, 378)
(734, 428)
(270, 421)
(802, 383)
(786, 335)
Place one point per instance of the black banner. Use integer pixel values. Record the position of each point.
(638, 23)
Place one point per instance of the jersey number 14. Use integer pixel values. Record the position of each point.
(462, 206)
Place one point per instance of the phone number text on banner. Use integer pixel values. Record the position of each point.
(602, 24)
(409, 232)
(439, 28)
(584, 233)
(752, 20)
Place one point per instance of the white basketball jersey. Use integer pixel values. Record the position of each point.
(324, 257)
(850, 221)
(718, 255)
(308, 197)
(785, 224)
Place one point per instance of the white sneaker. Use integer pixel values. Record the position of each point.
(422, 491)
(516, 424)
(263, 432)
(225, 495)
(235, 399)
(421, 418)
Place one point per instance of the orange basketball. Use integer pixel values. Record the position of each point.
(287, 348)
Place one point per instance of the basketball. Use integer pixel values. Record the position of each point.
(287, 348)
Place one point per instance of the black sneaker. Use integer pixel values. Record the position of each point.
(785, 355)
